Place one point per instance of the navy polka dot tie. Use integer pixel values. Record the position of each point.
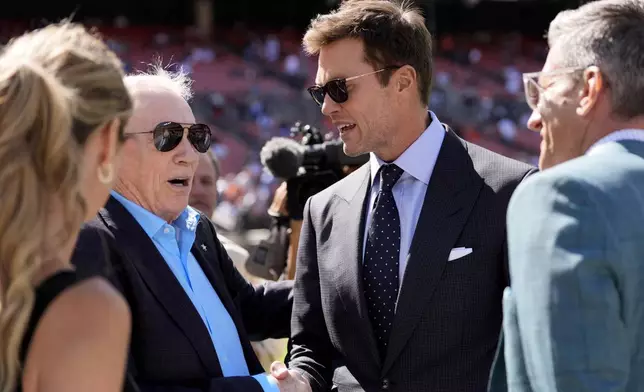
(380, 267)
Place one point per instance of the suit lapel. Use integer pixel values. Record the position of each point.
(162, 283)
(205, 252)
(451, 194)
(348, 267)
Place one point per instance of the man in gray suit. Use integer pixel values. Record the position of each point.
(574, 316)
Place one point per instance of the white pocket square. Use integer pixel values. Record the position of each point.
(457, 253)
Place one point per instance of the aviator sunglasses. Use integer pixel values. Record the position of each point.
(337, 88)
(167, 136)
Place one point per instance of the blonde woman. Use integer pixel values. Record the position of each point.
(63, 106)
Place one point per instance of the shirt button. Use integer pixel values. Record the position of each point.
(166, 230)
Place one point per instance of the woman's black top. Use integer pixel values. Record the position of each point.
(46, 292)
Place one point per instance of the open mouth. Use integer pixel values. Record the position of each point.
(179, 182)
(346, 127)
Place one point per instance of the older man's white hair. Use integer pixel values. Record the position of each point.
(159, 78)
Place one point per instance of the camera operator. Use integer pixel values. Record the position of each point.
(308, 168)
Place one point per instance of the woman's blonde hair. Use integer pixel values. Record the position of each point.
(58, 84)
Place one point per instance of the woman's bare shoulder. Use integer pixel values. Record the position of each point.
(91, 302)
(84, 329)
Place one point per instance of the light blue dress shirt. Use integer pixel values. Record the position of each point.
(174, 242)
(418, 162)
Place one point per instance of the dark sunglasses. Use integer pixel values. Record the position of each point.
(337, 88)
(168, 135)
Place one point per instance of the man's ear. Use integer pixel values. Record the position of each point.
(405, 78)
(594, 84)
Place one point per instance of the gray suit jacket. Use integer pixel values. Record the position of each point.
(448, 315)
(574, 317)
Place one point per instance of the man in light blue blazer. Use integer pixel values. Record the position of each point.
(574, 315)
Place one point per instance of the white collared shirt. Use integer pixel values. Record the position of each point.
(624, 134)
(418, 163)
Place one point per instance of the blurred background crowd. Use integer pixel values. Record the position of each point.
(250, 74)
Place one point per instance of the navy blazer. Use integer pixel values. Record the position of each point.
(171, 349)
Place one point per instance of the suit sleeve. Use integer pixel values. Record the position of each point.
(312, 350)
(265, 309)
(565, 301)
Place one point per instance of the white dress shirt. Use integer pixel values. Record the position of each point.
(418, 163)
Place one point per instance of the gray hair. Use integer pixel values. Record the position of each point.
(610, 35)
(158, 76)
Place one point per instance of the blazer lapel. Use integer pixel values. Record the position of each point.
(348, 267)
(147, 260)
(205, 254)
(204, 251)
(451, 194)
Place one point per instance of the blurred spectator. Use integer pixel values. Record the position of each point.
(292, 64)
(507, 129)
(251, 96)
(272, 49)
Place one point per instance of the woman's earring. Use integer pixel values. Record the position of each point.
(106, 173)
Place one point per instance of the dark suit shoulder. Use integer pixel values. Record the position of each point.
(93, 251)
(206, 228)
(498, 171)
(92, 228)
(346, 188)
(204, 220)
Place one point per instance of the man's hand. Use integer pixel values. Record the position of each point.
(278, 205)
(289, 380)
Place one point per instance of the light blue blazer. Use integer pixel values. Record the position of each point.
(574, 315)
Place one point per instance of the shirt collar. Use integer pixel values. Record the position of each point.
(188, 220)
(419, 159)
(624, 134)
(151, 223)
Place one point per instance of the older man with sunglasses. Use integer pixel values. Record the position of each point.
(574, 315)
(193, 313)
